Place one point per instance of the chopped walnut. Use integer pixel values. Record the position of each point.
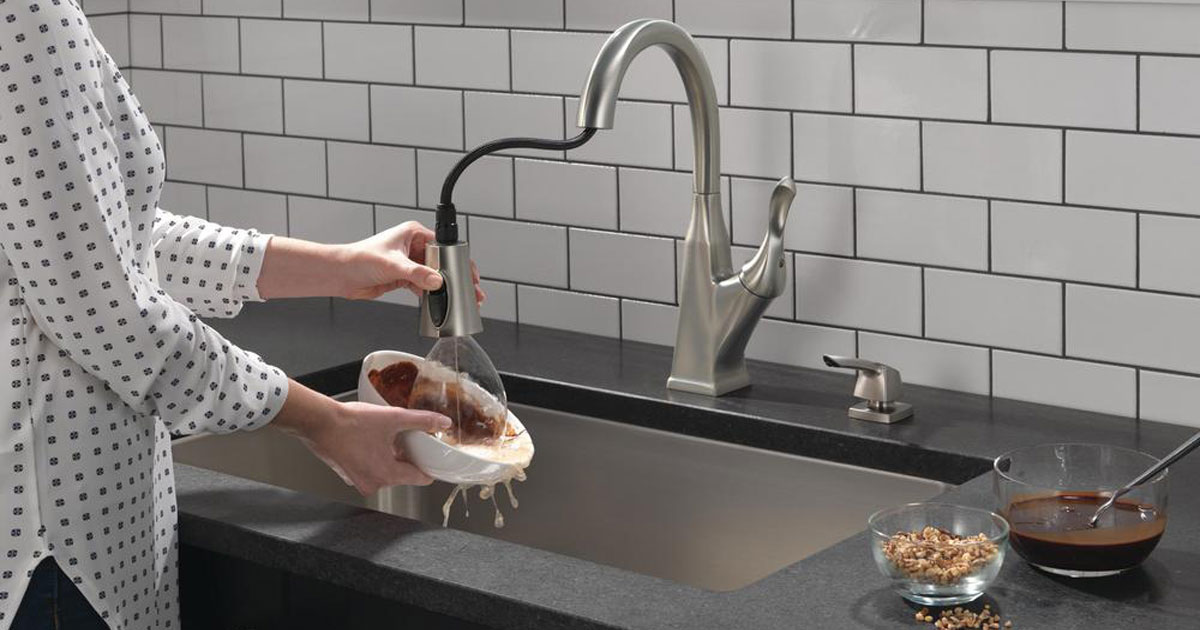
(938, 556)
(964, 619)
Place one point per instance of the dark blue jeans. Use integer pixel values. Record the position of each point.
(53, 603)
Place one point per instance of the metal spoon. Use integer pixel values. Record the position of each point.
(1150, 473)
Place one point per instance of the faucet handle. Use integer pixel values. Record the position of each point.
(766, 274)
(879, 385)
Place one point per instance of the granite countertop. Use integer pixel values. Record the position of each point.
(952, 439)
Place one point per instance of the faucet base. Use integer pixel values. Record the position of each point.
(719, 386)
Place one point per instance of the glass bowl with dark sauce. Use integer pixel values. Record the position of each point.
(1048, 494)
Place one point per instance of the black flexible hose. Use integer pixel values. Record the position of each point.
(447, 216)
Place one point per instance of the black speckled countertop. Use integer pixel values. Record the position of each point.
(953, 438)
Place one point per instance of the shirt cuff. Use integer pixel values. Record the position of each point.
(249, 266)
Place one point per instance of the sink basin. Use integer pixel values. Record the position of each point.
(713, 515)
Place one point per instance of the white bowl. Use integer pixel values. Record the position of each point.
(433, 456)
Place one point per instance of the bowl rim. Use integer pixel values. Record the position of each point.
(1000, 521)
(1162, 477)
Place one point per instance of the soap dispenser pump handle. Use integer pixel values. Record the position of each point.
(878, 384)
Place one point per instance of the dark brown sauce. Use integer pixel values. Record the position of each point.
(472, 425)
(394, 382)
(1053, 531)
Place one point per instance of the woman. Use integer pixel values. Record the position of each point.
(106, 354)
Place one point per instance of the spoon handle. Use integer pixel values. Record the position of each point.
(1162, 465)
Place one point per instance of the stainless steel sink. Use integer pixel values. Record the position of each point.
(713, 515)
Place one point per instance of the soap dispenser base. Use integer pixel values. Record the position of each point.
(863, 411)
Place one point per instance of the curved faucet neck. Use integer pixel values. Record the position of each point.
(598, 101)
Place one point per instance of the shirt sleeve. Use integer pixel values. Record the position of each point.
(212, 269)
(65, 229)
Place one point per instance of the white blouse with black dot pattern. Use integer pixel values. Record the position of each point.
(105, 354)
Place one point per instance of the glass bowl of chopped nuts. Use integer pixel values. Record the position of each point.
(938, 554)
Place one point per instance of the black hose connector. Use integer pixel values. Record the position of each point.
(447, 216)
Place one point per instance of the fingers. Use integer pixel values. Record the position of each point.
(480, 296)
(417, 274)
(427, 421)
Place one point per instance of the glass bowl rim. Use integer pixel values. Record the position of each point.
(1151, 460)
(1000, 521)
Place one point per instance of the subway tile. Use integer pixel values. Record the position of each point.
(930, 363)
(113, 33)
(1067, 243)
(326, 221)
(821, 219)
(1065, 383)
(782, 307)
(611, 14)
(649, 322)
(1071, 89)
(1132, 327)
(753, 141)
(1139, 27)
(417, 116)
(1170, 94)
(641, 136)
(417, 11)
(573, 194)
(200, 43)
(993, 160)
(1169, 256)
(857, 150)
(929, 229)
(248, 8)
(994, 310)
(284, 48)
(850, 293)
(660, 202)
(1007, 23)
(790, 75)
(863, 20)
(145, 41)
(529, 13)
(520, 252)
(753, 18)
(591, 314)
(381, 53)
(485, 188)
(286, 164)
(922, 81)
(553, 62)
(326, 110)
(364, 172)
(390, 216)
(185, 199)
(243, 103)
(164, 6)
(204, 157)
(644, 269)
(501, 302)
(462, 57)
(1131, 171)
(489, 116)
(1169, 398)
(171, 98)
(264, 212)
(326, 9)
(801, 345)
(101, 7)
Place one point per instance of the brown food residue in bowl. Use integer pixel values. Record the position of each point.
(395, 382)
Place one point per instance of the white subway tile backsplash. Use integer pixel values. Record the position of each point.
(285, 164)
(821, 219)
(326, 221)
(753, 141)
(326, 9)
(113, 33)
(861, 20)
(846, 292)
(644, 269)
(790, 75)
(462, 57)
(520, 252)
(490, 116)
(993, 160)
(1068, 243)
(204, 157)
(101, 7)
(243, 103)
(573, 194)
(921, 81)
(1134, 27)
(185, 199)
(553, 62)
(931, 229)
(1007, 23)
(649, 322)
(1170, 94)
(248, 8)
(1170, 258)
(930, 363)
(171, 98)
(381, 53)
(145, 41)
(994, 310)
(200, 43)
(364, 172)
(501, 301)
(801, 345)
(1066, 383)
(527, 13)
(485, 188)
(1130, 327)
(1131, 171)
(391, 216)
(1169, 398)
(164, 6)
(326, 110)
(417, 116)
(264, 212)
(282, 48)
(660, 202)
(592, 314)
(752, 18)
(857, 150)
(610, 14)
(641, 136)
(1071, 89)
(417, 11)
